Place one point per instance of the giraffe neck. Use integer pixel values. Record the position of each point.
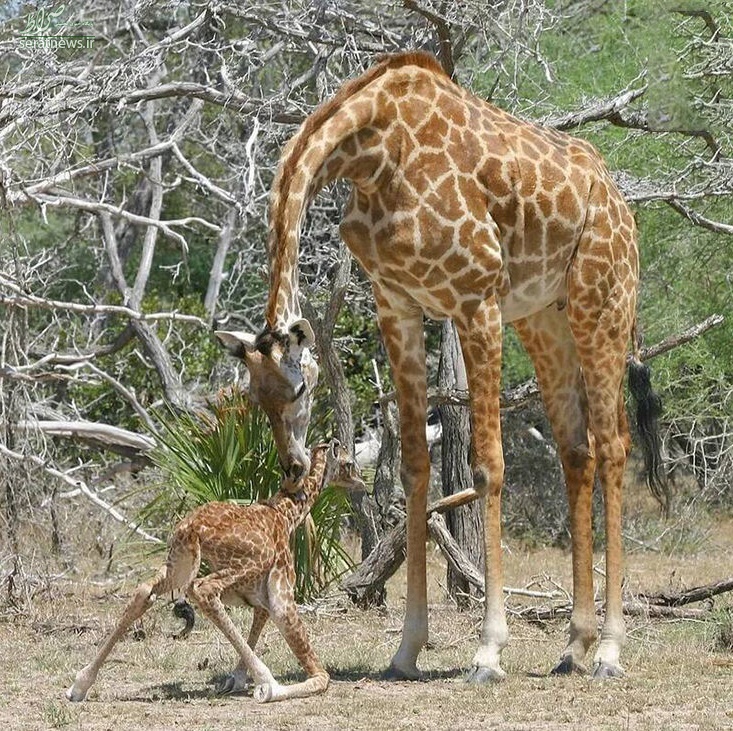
(309, 162)
(296, 507)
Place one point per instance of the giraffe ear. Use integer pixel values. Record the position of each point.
(334, 448)
(237, 343)
(301, 334)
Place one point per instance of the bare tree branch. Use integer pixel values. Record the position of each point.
(81, 485)
(51, 199)
(598, 110)
(674, 341)
(699, 220)
(21, 299)
(111, 437)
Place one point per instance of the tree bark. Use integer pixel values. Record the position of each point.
(338, 387)
(465, 573)
(365, 586)
(216, 276)
(465, 523)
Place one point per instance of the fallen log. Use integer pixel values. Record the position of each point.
(697, 594)
(365, 587)
(631, 608)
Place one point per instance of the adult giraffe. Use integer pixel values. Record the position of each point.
(459, 210)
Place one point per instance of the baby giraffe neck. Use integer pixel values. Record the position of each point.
(295, 507)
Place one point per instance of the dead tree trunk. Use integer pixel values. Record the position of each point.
(338, 388)
(465, 523)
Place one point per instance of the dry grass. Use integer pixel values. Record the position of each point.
(675, 680)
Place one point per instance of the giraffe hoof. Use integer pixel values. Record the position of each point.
(74, 695)
(263, 693)
(395, 673)
(82, 682)
(606, 671)
(481, 675)
(232, 683)
(568, 666)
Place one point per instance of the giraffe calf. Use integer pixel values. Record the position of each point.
(247, 549)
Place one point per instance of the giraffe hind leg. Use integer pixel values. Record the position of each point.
(238, 680)
(549, 341)
(206, 592)
(602, 329)
(182, 564)
(142, 599)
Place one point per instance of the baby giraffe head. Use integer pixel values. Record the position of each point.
(341, 469)
(282, 376)
(331, 464)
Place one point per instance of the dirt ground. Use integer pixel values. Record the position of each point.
(676, 678)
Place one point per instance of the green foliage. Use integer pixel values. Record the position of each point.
(225, 455)
(516, 365)
(229, 454)
(360, 342)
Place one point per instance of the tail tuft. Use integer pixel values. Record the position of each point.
(183, 610)
(648, 411)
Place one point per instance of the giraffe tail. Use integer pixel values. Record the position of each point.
(648, 410)
(183, 610)
(184, 560)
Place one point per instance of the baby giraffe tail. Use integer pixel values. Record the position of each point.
(648, 411)
(180, 569)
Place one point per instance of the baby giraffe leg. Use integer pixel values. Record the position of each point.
(143, 598)
(237, 680)
(206, 592)
(284, 613)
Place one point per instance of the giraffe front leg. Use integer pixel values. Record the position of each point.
(238, 680)
(415, 628)
(405, 341)
(481, 345)
(284, 613)
(206, 593)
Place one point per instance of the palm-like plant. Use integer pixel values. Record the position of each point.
(228, 453)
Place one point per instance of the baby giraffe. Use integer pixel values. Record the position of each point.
(247, 549)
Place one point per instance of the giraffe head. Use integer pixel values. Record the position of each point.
(341, 467)
(282, 376)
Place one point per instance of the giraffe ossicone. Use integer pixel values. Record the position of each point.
(459, 210)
